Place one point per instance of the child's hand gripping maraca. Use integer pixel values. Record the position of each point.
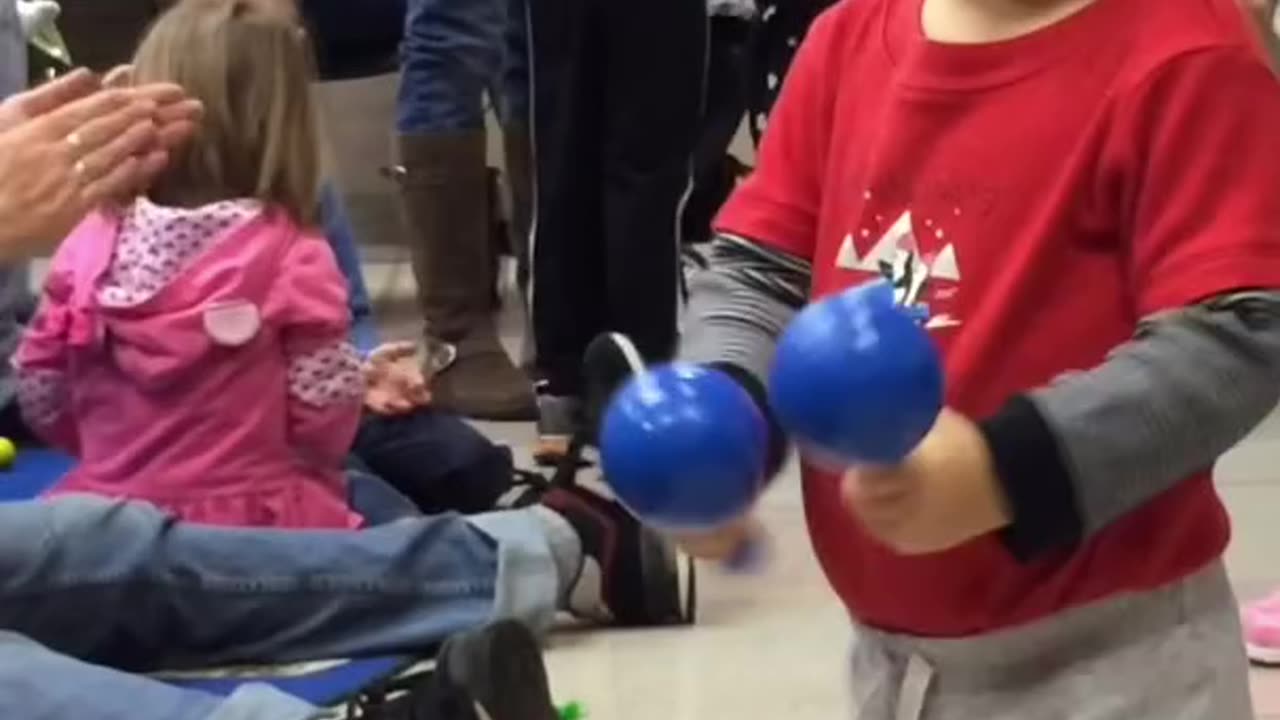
(684, 448)
(858, 382)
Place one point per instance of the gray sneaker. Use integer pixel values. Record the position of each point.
(559, 421)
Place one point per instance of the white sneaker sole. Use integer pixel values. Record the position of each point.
(673, 599)
(1259, 655)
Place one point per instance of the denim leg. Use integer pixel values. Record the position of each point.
(122, 584)
(38, 683)
(452, 50)
(512, 87)
(523, 580)
(337, 229)
(436, 460)
(374, 498)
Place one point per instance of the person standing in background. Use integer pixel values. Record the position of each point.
(618, 97)
(780, 28)
(750, 49)
(455, 50)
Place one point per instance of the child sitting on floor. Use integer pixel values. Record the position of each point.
(191, 347)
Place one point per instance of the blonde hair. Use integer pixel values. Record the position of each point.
(250, 63)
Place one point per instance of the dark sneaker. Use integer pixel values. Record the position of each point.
(567, 424)
(630, 575)
(610, 360)
(493, 673)
(501, 667)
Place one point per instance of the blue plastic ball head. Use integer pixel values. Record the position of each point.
(856, 379)
(683, 447)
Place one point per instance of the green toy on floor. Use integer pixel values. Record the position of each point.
(573, 711)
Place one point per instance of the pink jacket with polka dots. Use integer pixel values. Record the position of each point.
(197, 359)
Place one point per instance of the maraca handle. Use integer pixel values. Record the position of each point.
(749, 557)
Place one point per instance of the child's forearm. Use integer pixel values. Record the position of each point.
(737, 309)
(44, 401)
(326, 391)
(740, 305)
(1093, 446)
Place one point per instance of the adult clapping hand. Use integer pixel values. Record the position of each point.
(71, 145)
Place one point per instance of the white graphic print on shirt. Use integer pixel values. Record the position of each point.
(921, 275)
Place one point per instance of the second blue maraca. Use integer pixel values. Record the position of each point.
(856, 379)
(683, 446)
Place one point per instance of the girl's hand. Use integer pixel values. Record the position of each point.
(394, 383)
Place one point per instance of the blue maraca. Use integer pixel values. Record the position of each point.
(683, 446)
(856, 380)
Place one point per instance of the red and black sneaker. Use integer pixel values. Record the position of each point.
(630, 575)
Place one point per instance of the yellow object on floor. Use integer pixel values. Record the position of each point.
(8, 453)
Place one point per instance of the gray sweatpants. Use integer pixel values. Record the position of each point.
(1172, 654)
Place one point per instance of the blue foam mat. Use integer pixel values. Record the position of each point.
(324, 685)
(321, 684)
(33, 472)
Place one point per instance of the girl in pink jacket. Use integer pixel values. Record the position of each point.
(190, 348)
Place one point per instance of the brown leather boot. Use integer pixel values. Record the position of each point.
(446, 197)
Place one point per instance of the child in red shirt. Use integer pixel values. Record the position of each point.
(1089, 187)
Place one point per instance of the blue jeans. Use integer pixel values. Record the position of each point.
(342, 240)
(454, 51)
(120, 587)
(435, 460)
(377, 502)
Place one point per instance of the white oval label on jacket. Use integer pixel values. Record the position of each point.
(232, 324)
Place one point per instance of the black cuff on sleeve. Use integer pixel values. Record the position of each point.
(776, 456)
(1036, 481)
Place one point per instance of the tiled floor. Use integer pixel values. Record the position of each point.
(772, 645)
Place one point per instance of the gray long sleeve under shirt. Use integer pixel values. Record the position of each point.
(1164, 405)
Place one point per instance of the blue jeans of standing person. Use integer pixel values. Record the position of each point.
(453, 52)
(92, 590)
(341, 237)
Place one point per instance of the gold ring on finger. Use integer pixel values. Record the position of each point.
(74, 140)
(80, 169)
